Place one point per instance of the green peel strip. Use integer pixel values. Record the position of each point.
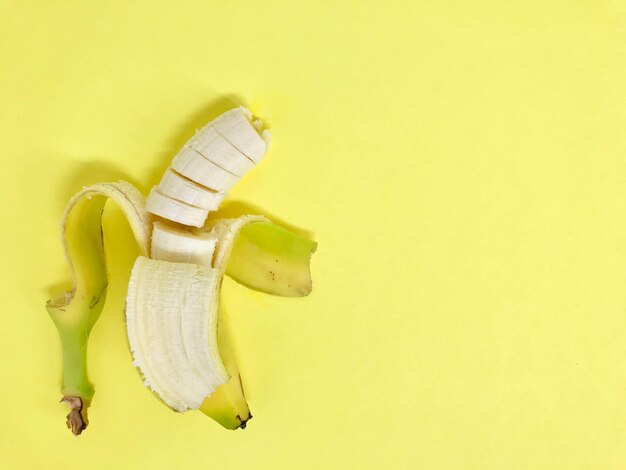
(75, 312)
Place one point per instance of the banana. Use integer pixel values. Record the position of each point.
(172, 312)
(174, 210)
(178, 187)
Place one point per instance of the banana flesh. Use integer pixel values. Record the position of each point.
(161, 295)
(171, 319)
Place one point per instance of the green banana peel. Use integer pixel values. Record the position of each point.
(268, 258)
(229, 396)
(75, 312)
(265, 257)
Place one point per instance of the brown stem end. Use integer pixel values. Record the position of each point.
(77, 418)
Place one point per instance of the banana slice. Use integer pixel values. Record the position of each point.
(214, 147)
(183, 189)
(194, 166)
(238, 128)
(174, 210)
(176, 244)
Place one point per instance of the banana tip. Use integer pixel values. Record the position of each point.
(244, 422)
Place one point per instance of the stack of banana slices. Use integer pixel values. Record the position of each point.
(179, 342)
(208, 166)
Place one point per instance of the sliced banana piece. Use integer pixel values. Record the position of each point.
(174, 210)
(174, 243)
(214, 147)
(171, 318)
(238, 128)
(178, 187)
(194, 166)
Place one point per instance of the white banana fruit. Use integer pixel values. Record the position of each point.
(173, 294)
(171, 315)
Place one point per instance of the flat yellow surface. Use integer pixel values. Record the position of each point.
(462, 166)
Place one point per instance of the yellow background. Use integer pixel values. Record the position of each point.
(462, 166)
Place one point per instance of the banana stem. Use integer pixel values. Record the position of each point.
(76, 388)
(75, 380)
(74, 319)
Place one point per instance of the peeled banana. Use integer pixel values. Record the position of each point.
(180, 343)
